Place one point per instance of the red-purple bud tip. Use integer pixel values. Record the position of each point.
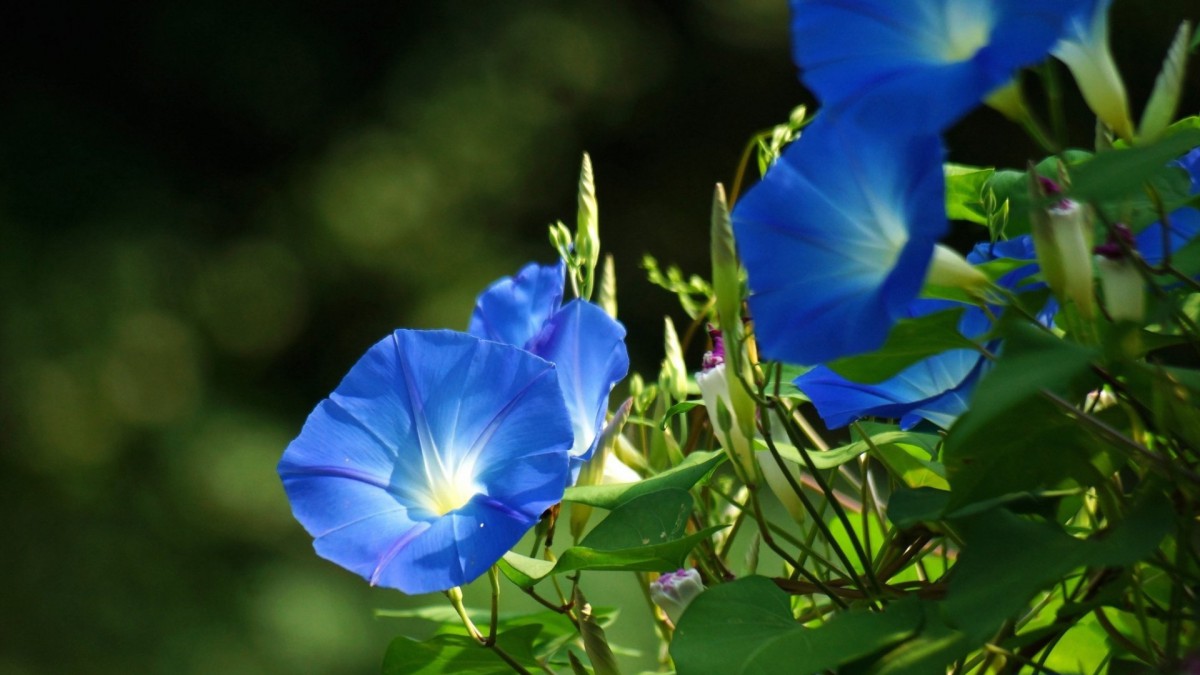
(717, 356)
(1051, 188)
(1120, 240)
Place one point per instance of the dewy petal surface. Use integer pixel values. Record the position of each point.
(514, 309)
(587, 348)
(837, 238)
(919, 65)
(433, 456)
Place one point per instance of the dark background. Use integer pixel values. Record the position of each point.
(209, 210)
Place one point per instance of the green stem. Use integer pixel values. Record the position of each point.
(785, 415)
(456, 599)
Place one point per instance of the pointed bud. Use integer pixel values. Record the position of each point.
(1086, 53)
(727, 283)
(673, 376)
(587, 227)
(595, 469)
(1062, 238)
(607, 298)
(1160, 109)
(674, 591)
(949, 268)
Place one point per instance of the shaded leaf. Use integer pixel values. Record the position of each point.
(746, 626)
(459, 654)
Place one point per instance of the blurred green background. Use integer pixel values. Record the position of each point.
(209, 210)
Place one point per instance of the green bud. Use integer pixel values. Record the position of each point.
(607, 298)
(1160, 109)
(949, 269)
(593, 471)
(673, 377)
(1062, 238)
(727, 283)
(587, 228)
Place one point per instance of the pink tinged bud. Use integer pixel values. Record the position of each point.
(717, 356)
(1062, 238)
(674, 591)
(1123, 287)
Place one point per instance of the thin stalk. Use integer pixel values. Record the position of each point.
(494, 577)
(769, 540)
(808, 505)
(837, 506)
(456, 599)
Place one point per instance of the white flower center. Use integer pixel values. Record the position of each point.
(967, 30)
(452, 491)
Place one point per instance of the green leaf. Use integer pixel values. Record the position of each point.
(909, 341)
(645, 534)
(1007, 559)
(654, 518)
(788, 372)
(594, 641)
(746, 626)
(909, 507)
(459, 654)
(692, 470)
(678, 409)
(964, 192)
(1122, 172)
(913, 465)
(557, 630)
(936, 645)
(1012, 439)
(1010, 189)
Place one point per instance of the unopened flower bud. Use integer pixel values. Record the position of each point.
(674, 591)
(1085, 51)
(1062, 238)
(1122, 285)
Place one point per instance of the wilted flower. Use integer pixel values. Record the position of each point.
(674, 591)
(922, 64)
(431, 459)
(586, 345)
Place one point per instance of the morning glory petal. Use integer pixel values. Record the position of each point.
(837, 238)
(922, 64)
(407, 448)
(514, 309)
(587, 347)
(935, 388)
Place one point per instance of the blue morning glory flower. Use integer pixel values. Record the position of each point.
(430, 460)
(919, 64)
(837, 238)
(586, 345)
(936, 389)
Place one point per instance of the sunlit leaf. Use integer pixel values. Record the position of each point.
(691, 471)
